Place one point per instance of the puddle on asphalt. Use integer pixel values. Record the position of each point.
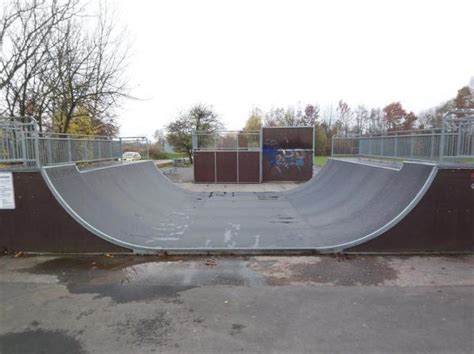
(140, 278)
(135, 278)
(39, 340)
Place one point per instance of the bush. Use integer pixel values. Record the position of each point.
(156, 153)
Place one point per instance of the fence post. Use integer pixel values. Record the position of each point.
(98, 141)
(458, 143)
(50, 154)
(120, 150)
(381, 145)
(24, 156)
(69, 148)
(36, 142)
(193, 140)
(260, 138)
(395, 153)
(238, 158)
(442, 140)
(147, 142)
(432, 145)
(86, 146)
(332, 145)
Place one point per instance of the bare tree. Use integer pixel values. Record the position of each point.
(26, 34)
(292, 116)
(344, 117)
(361, 115)
(376, 121)
(328, 116)
(62, 63)
(89, 66)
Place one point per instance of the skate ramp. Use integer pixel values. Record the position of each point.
(135, 206)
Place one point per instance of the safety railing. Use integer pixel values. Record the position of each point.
(454, 141)
(226, 141)
(22, 145)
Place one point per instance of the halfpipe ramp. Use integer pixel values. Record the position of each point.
(347, 206)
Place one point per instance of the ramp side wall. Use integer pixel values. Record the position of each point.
(443, 220)
(40, 224)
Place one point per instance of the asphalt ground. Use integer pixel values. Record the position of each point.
(132, 304)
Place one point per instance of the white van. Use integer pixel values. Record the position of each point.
(131, 156)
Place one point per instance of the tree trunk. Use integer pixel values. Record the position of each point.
(190, 155)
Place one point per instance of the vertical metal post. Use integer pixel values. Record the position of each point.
(442, 139)
(193, 140)
(261, 154)
(238, 172)
(50, 154)
(36, 142)
(215, 166)
(147, 148)
(411, 145)
(69, 148)
(432, 145)
(215, 157)
(23, 146)
(85, 149)
(395, 152)
(332, 145)
(120, 150)
(458, 143)
(381, 145)
(194, 147)
(98, 148)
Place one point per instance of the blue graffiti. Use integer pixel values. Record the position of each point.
(284, 159)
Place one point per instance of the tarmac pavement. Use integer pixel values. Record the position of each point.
(132, 304)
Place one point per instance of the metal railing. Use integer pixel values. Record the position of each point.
(226, 141)
(22, 145)
(454, 141)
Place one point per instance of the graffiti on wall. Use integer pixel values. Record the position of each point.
(282, 160)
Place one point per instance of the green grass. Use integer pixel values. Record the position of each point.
(168, 155)
(320, 161)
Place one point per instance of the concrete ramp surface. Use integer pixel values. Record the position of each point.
(347, 204)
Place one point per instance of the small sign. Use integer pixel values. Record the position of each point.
(7, 193)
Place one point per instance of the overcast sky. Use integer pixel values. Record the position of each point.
(235, 55)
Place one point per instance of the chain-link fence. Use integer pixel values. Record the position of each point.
(454, 141)
(22, 145)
